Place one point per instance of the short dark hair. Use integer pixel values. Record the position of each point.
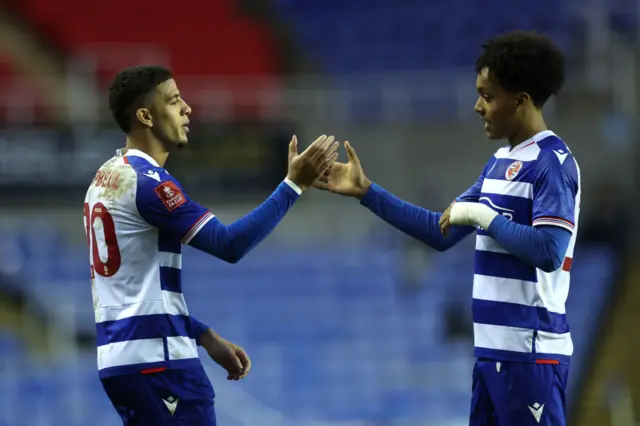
(129, 87)
(524, 61)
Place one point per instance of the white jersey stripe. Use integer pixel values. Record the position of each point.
(486, 243)
(505, 290)
(551, 343)
(181, 347)
(505, 187)
(503, 338)
(170, 260)
(171, 303)
(174, 303)
(130, 352)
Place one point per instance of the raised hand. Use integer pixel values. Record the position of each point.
(346, 179)
(306, 168)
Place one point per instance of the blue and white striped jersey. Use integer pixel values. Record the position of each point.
(519, 310)
(137, 217)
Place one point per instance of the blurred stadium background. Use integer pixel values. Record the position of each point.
(347, 321)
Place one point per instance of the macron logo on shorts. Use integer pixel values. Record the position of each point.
(536, 410)
(172, 404)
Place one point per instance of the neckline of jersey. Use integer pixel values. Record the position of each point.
(125, 152)
(535, 138)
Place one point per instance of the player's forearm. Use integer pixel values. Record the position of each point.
(232, 242)
(544, 246)
(414, 221)
(210, 340)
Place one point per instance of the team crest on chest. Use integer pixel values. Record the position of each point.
(513, 170)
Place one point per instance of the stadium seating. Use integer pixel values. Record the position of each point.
(623, 17)
(383, 37)
(431, 47)
(216, 30)
(330, 335)
(220, 42)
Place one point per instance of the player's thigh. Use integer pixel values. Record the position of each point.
(482, 410)
(133, 399)
(529, 394)
(170, 398)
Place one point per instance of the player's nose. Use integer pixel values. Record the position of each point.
(187, 109)
(478, 107)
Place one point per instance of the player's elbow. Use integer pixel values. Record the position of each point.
(443, 244)
(440, 248)
(550, 264)
(231, 257)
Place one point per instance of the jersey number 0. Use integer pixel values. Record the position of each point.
(110, 266)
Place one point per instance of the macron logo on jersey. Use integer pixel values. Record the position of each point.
(153, 175)
(170, 195)
(561, 155)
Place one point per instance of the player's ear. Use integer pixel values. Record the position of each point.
(143, 115)
(522, 100)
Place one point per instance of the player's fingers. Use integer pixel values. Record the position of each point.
(293, 148)
(326, 164)
(325, 176)
(444, 227)
(242, 356)
(329, 151)
(246, 363)
(315, 145)
(323, 149)
(321, 185)
(351, 153)
(323, 180)
(293, 145)
(235, 366)
(444, 218)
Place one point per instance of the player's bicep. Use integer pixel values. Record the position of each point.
(554, 194)
(166, 206)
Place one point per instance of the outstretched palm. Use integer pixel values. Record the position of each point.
(346, 179)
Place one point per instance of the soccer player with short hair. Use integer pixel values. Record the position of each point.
(524, 207)
(137, 218)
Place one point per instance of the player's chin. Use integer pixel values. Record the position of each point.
(181, 143)
(492, 134)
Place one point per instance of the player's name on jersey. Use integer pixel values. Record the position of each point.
(106, 179)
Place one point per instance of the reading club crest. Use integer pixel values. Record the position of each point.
(513, 170)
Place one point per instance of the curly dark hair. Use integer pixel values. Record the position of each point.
(524, 61)
(128, 89)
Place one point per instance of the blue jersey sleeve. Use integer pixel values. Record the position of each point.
(543, 247)
(163, 203)
(554, 191)
(418, 222)
(197, 328)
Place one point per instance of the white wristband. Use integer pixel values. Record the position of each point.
(464, 214)
(293, 185)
